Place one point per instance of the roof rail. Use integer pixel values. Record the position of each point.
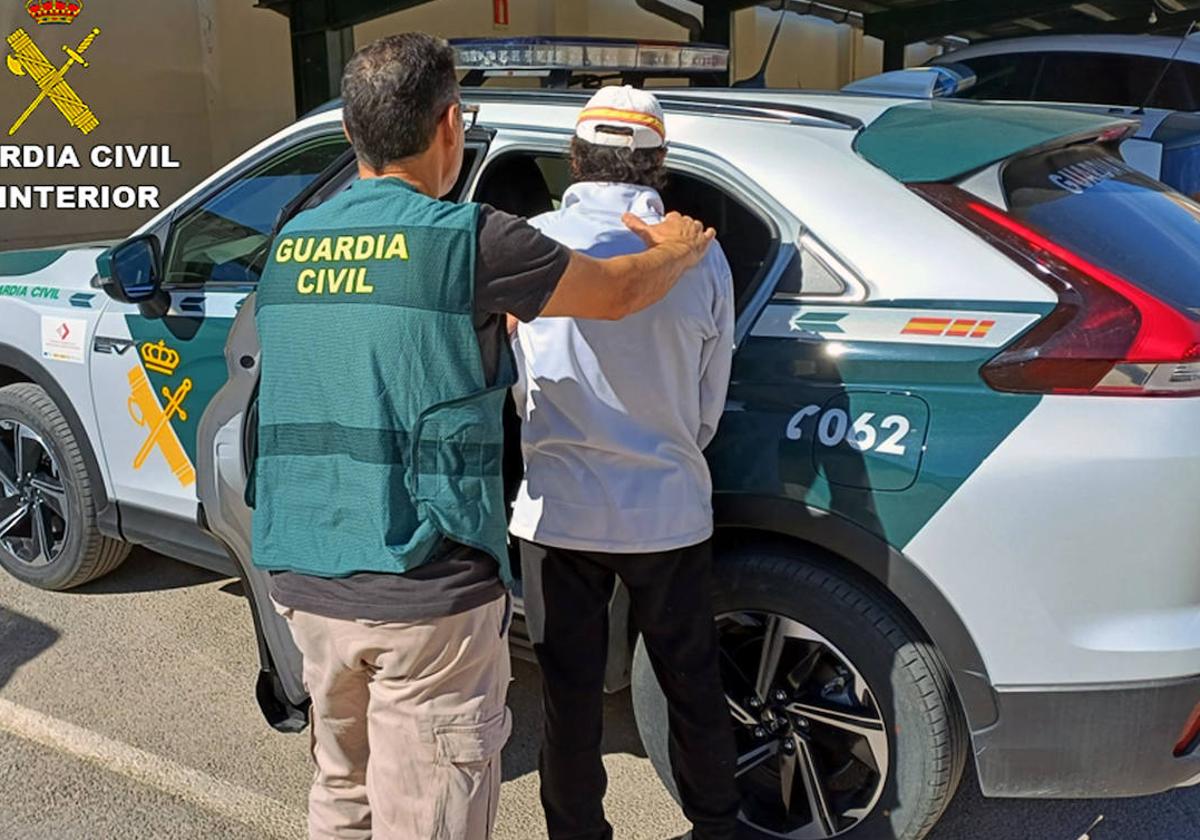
(746, 109)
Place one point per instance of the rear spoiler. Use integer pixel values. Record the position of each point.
(945, 140)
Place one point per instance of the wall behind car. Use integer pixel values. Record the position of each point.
(811, 53)
(210, 78)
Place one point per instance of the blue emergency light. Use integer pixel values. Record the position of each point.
(540, 56)
(935, 82)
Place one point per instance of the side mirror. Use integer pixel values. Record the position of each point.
(132, 271)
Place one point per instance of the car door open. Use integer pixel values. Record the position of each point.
(227, 447)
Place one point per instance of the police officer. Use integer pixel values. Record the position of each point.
(380, 506)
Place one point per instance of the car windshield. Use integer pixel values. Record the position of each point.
(1104, 210)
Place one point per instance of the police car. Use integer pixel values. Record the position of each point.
(955, 480)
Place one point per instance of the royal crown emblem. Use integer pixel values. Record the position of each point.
(54, 11)
(160, 358)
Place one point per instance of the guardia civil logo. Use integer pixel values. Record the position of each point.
(27, 59)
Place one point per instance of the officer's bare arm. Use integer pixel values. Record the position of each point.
(613, 288)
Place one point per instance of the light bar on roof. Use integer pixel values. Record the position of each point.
(588, 55)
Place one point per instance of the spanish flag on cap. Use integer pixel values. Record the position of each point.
(622, 116)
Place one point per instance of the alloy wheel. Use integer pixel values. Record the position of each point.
(812, 742)
(33, 498)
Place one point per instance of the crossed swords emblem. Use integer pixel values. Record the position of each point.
(146, 412)
(27, 60)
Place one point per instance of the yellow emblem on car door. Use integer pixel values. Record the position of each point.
(146, 412)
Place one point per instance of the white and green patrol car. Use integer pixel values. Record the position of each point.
(955, 482)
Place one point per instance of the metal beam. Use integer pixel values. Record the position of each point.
(314, 15)
(831, 11)
(893, 55)
(1166, 24)
(933, 19)
(322, 35)
(718, 29)
(318, 59)
(727, 5)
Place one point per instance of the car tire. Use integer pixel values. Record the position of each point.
(78, 552)
(918, 714)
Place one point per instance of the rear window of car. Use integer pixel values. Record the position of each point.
(1107, 212)
(1009, 76)
(1090, 78)
(1113, 79)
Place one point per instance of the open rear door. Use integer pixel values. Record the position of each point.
(225, 452)
(225, 449)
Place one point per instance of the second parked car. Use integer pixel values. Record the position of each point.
(1153, 79)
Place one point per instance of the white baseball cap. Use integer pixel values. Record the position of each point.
(622, 116)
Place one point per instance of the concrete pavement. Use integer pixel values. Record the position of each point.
(127, 711)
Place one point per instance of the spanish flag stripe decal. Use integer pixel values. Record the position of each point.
(959, 328)
(926, 326)
(983, 329)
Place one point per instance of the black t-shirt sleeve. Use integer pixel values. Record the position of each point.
(517, 267)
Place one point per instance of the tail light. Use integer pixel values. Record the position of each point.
(1190, 739)
(1106, 336)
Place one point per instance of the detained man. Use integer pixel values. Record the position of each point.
(379, 496)
(615, 419)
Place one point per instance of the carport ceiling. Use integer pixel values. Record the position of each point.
(909, 21)
(322, 39)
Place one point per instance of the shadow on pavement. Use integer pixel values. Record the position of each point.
(22, 639)
(525, 700)
(1167, 815)
(146, 571)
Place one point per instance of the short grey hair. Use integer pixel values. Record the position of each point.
(394, 91)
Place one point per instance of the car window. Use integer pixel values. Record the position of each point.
(1107, 212)
(557, 173)
(1179, 90)
(810, 274)
(1090, 78)
(226, 239)
(1010, 76)
(530, 183)
(1112, 79)
(345, 178)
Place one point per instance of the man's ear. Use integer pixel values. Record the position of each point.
(346, 131)
(452, 120)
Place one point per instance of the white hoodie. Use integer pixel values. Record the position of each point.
(616, 413)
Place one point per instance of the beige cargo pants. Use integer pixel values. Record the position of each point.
(408, 721)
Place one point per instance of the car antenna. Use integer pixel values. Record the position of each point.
(759, 79)
(1162, 74)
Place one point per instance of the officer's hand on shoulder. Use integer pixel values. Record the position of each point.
(674, 229)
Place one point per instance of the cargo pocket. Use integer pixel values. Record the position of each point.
(468, 764)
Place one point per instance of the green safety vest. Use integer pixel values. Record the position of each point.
(378, 433)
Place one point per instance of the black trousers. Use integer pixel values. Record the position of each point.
(567, 594)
